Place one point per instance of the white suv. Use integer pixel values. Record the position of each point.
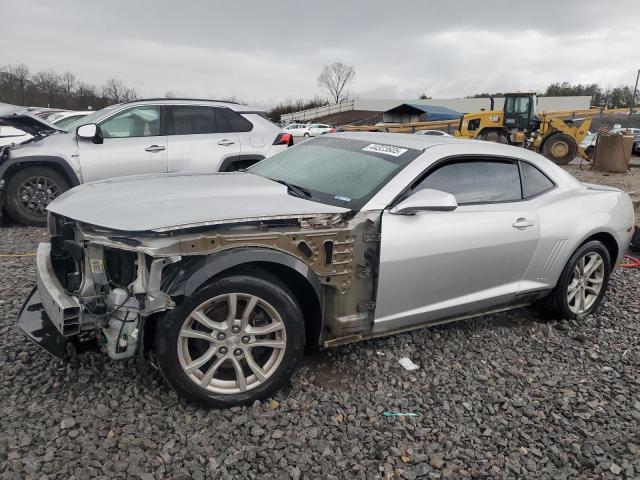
(140, 137)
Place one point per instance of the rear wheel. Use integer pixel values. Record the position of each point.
(560, 148)
(30, 191)
(583, 282)
(237, 340)
(306, 134)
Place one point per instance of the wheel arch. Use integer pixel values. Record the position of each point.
(296, 275)
(11, 166)
(228, 163)
(609, 242)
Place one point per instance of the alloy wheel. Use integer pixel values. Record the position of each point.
(586, 282)
(232, 343)
(35, 193)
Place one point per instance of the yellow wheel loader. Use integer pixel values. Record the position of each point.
(519, 123)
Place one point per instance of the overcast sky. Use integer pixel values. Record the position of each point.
(266, 51)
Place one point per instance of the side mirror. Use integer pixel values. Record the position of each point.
(89, 132)
(426, 200)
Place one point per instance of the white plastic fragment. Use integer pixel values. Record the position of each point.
(407, 364)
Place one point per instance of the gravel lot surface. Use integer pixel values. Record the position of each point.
(509, 395)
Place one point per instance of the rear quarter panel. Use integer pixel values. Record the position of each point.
(568, 219)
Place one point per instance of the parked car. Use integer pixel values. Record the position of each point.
(64, 119)
(317, 129)
(341, 238)
(145, 136)
(297, 129)
(433, 133)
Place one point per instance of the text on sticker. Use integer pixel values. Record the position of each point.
(386, 149)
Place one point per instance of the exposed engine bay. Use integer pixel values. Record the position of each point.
(116, 280)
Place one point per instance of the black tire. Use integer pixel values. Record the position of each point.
(35, 216)
(560, 148)
(267, 289)
(494, 136)
(306, 134)
(557, 304)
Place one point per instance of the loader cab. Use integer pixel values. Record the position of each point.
(521, 111)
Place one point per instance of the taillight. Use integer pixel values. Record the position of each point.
(284, 139)
(333, 130)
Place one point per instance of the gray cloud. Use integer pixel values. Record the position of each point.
(263, 52)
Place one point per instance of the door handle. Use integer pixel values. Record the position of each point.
(522, 223)
(224, 142)
(154, 148)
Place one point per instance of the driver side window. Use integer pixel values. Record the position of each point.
(143, 121)
(476, 181)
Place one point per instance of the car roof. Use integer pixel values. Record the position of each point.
(422, 142)
(194, 101)
(418, 142)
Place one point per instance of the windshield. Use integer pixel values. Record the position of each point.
(65, 122)
(336, 171)
(91, 118)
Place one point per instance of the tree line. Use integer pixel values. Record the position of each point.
(617, 97)
(49, 88)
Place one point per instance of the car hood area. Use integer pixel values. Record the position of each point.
(29, 123)
(168, 202)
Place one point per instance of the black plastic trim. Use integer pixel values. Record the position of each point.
(43, 160)
(227, 162)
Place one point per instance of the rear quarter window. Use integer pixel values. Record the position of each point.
(534, 182)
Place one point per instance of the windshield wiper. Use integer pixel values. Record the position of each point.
(297, 190)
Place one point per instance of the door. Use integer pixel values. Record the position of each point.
(518, 112)
(199, 139)
(133, 144)
(435, 265)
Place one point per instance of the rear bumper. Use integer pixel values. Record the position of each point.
(35, 323)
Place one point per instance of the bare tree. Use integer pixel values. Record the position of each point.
(335, 77)
(169, 94)
(14, 82)
(47, 84)
(68, 83)
(116, 91)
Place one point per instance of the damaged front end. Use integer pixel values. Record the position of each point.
(105, 284)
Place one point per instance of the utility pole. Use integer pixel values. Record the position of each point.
(633, 98)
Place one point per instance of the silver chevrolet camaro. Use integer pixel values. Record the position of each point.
(226, 277)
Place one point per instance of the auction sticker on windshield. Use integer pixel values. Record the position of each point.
(385, 149)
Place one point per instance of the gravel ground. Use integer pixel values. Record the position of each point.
(508, 395)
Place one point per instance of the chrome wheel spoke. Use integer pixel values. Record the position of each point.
(593, 265)
(207, 377)
(232, 304)
(268, 343)
(248, 310)
(240, 378)
(189, 333)
(255, 368)
(196, 364)
(200, 317)
(266, 329)
(572, 294)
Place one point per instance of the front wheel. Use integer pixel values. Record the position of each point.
(560, 148)
(237, 340)
(583, 282)
(306, 134)
(30, 191)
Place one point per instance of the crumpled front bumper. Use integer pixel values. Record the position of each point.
(49, 315)
(37, 326)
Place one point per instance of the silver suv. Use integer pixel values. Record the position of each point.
(140, 137)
